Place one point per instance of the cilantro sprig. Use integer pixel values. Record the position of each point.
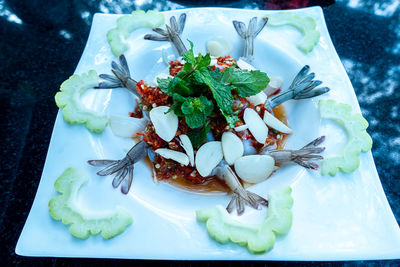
(197, 87)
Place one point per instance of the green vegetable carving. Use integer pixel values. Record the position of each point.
(127, 24)
(258, 238)
(306, 26)
(358, 138)
(68, 99)
(63, 207)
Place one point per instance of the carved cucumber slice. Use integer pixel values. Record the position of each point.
(358, 138)
(64, 208)
(306, 26)
(127, 24)
(257, 237)
(68, 99)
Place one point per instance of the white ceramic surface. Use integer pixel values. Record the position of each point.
(334, 218)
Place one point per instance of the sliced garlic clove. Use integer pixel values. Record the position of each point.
(188, 147)
(213, 61)
(165, 124)
(177, 156)
(219, 47)
(257, 99)
(275, 83)
(244, 65)
(241, 128)
(232, 147)
(208, 157)
(256, 125)
(254, 168)
(273, 122)
(125, 126)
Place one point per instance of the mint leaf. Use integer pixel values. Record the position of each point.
(203, 61)
(179, 86)
(231, 119)
(187, 107)
(197, 137)
(195, 120)
(189, 56)
(193, 63)
(221, 93)
(176, 106)
(189, 87)
(196, 110)
(246, 83)
(163, 84)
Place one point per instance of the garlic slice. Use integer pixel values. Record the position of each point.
(241, 128)
(273, 122)
(275, 83)
(213, 61)
(256, 125)
(208, 157)
(165, 124)
(219, 47)
(257, 99)
(125, 126)
(188, 147)
(254, 168)
(232, 147)
(177, 156)
(244, 65)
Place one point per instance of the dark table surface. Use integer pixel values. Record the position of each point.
(40, 45)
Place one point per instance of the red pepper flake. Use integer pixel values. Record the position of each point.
(137, 112)
(151, 96)
(175, 67)
(226, 62)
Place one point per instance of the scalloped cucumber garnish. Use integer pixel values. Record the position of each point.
(64, 208)
(68, 99)
(358, 138)
(306, 26)
(258, 238)
(127, 24)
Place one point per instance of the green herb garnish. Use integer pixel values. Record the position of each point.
(197, 137)
(197, 89)
(196, 110)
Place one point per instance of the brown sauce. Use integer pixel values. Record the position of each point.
(213, 184)
(280, 114)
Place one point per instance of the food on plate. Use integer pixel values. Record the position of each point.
(358, 138)
(127, 24)
(84, 223)
(207, 120)
(68, 99)
(257, 238)
(306, 26)
(205, 102)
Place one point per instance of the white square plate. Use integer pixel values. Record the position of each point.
(334, 218)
